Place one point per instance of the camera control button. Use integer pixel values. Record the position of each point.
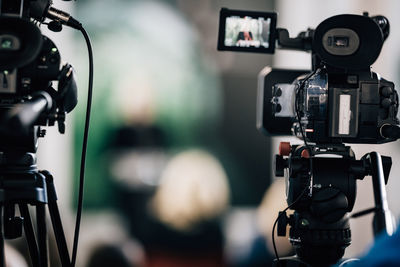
(386, 91)
(386, 102)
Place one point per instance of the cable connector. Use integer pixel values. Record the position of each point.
(63, 17)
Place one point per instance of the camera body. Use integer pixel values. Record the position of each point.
(350, 106)
(341, 100)
(18, 82)
(29, 64)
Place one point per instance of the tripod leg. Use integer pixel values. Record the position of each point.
(2, 254)
(42, 234)
(30, 235)
(56, 220)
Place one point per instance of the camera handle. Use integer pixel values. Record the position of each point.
(302, 42)
(22, 116)
(379, 167)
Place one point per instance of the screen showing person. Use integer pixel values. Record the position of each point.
(247, 31)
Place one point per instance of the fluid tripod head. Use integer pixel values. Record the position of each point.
(321, 189)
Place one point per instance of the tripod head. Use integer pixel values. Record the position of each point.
(321, 189)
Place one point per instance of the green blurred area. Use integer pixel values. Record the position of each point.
(141, 45)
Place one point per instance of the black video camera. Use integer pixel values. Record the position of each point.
(29, 64)
(340, 100)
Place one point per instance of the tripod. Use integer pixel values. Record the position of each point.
(321, 191)
(21, 184)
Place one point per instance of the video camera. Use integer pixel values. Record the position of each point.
(29, 63)
(339, 101)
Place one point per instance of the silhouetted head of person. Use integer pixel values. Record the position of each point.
(108, 255)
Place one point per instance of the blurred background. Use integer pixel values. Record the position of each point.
(176, 171)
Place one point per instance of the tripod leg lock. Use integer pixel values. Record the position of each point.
(51, 191)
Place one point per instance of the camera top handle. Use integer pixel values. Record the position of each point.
(303, 41)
